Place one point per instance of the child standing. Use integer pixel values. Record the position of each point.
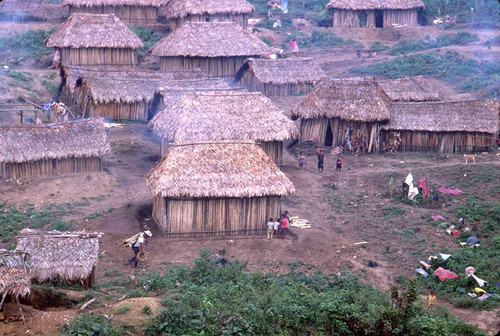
(276, 227)
(302, 160)
(431, 300)
(339, 163)
(321, 159)
(283, 227)
(270, 228)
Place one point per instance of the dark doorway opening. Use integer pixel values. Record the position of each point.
(329, 135)
(379, 19)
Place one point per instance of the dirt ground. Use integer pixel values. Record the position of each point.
(354, 214)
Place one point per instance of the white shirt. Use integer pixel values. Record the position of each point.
(276, 225)
(270, 225)
(139, 241)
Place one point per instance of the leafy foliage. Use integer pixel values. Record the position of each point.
(327, 39)
(93, 325)
(486, 11)
(27, 44)
(461, 38)
(148, 37)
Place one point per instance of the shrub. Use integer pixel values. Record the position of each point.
(461, 38)
(27, 44)
(95, 325)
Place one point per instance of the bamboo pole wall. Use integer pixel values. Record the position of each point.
(274, 149)
(121, 111)
(444, 142)
(241, 19)
(251, 83)
(400, 16)
(128, 14)
(208, 217)
(350, 18)
(98, 56)
(50, 167)
(345, 18)
(215, 66)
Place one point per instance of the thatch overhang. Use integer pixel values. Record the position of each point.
(14, 276)
(347, 99)
(374, 4)
(283, 71)
(71, 256)
(83, 30)
(210, 39)
(78, 139)
(409, 89)
(217, 170)
(183, 8)
(129, 85)
(99, 3)
(448, 116)
(205, 116)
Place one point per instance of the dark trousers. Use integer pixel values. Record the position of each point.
(136, 250)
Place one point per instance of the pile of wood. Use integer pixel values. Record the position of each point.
(300, 223)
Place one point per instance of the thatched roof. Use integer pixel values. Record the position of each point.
(98, 3)
(217, 170)
(409, 89)
(356, 100)
(82, 30)
(128, 85)
(210, 39)
(228, 115)
(283, 71)
(450, 116)
(374, 4)
(68, 255)
(14, 278)
(79, 139)
(182, 8)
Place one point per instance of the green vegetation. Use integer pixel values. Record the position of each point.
(393, 211)
(21, 76)
(488, 77)
(461, 38)
(447, 66)
(327, 39)
(148, 37)
(377, 46)
(26, 45)
(52, 87)
(95, 325)
(312, 10)
(486, 12)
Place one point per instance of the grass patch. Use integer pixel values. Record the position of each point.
(20, 76)
(52, 87)
(94, 324)
(328, 39)
(98, 214)
(405, 47)
(395, 211)
(27, 45)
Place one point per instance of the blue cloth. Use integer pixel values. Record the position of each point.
(421, 271)
(472, 240)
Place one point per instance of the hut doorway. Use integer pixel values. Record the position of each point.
(379, 19)
(329, 136)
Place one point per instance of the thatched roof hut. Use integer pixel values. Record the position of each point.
(217, 47)
(374, 13)
(125, 93)
(340, 112)
(209, 189)
(449, 126)
(176, 12)
(95, 39)
(14, 277)
(143, 12)
(70, 147)
(280, 77)
(416, 89)
(68, 256)
(205, 116)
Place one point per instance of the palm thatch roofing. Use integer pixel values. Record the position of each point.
(283, 71)
(79, 139)
(374, 4)
(206, 116)
(210, 39)
(217, 170)
(410, 89)
(448, 116)
(14, 277)
(347, 99)
(129, 85)
(98, 3)
(83, 30)
(71, 256)
(183, 8)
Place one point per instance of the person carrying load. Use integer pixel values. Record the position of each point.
(137, 242)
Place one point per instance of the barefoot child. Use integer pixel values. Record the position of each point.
(302, 160)
(431, 300)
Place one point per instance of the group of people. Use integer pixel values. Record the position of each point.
(321, 161)
(278, 227)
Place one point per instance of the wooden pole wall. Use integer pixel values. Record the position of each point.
(215, 66)
(98, 56)
(142, 15)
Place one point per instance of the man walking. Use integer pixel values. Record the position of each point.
(137, 242)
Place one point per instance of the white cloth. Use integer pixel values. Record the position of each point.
(409, 179)
(444, 256)
(480, 282)
(270, 225)
(276, 225)
(412, 191)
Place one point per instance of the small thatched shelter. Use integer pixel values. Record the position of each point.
(374, 13)
(448, 127)
(280, 77)
(71, 147)
(343, 112)
(228, 115)
(133, 12)
(124, 93)
(66, 256)
(176, 12)
(416, 89)
(217, 47)
(95, 39)
(215, 189)
(14, 276)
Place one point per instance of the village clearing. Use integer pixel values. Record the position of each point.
(352, 215)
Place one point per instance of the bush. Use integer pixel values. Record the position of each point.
(27, 44)
(486, 11)
(95, 325)
(327, 39)
(148, 37)
(405, 47)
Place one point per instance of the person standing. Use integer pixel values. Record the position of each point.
(321, 159)
(283, 227)
(276, 227)
(431, 300)
(270, 228)
(339, 163)
(138, 245)
(302, 161)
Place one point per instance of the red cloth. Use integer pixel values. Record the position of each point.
(451, 191)
(455, 233)
(424, 185)
(426, 265)
(284, 223)
(444, 274)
